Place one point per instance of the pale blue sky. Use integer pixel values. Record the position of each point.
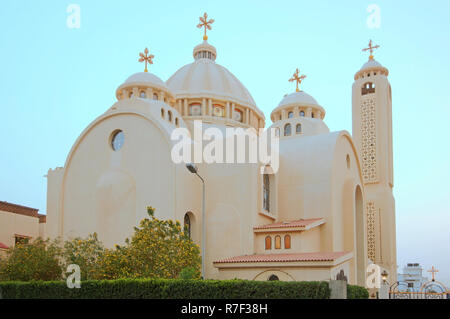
(55, 80)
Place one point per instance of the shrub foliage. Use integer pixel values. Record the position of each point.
(357, 292)
(167, 289)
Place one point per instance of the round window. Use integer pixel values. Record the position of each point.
(117, 140)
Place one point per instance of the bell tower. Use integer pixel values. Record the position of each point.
(372, 133)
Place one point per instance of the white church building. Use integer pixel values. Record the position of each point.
(327, 211)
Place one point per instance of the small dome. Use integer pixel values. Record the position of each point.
(205, 50)
(371, 64)
(147, 79)
(300, 98)
(140, 82)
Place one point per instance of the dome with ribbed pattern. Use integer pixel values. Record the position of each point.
(207, 79)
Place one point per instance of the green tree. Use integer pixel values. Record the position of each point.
(38, 260)
(158, 249)
(84, 252)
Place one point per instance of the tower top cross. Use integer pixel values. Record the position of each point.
(297, 78)
(433, 271)
(371, 48)
(144, 57)
(206, 24)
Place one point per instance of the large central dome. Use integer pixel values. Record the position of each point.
(204, 78)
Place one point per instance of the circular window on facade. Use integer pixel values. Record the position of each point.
(117, 139)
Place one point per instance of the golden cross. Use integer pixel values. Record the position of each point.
(371, 48)
(146, 58)
(297, 78)
(433, 271)
(205, 23)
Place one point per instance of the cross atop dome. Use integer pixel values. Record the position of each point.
(433, 271)
(297, 78)
(371, 49)
(206, 24)
(146, 58)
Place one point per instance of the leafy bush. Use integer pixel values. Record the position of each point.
(38, 260)
(357, 292)
(84, 253)
(189, 273)
(158, 249)
(167, 289)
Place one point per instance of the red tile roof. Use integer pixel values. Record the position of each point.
(3, 246)
(318, 256)
(21, 210)
(301, 223)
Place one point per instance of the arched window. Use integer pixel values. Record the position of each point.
(238, 115)
(368, 88)
(266, 192)
(195, 109)
(290, 114)
(176, 122)
(218, 110)
(287, 130)
(268, 243)
(162, 113)
(298, 128)
(155, 96)
(287, 242)
(277, 242)
(169, 113)
(142, 95)
(130, 95)
(312, 114)
(187, 224)
(302, 113)
(273, 278)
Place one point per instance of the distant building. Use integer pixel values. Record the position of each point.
(19, 224)
(411, 279)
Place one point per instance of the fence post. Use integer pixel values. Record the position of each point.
(338, 289)
(384, 291)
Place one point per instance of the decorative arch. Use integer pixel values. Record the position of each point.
(277, 242)
(287, 129)
(151, 119)
(266, 192)
(268, 243)
(195, 109)
(287, 242)
(368, 88)
(281, 274)
(189, 225)
(298, 128)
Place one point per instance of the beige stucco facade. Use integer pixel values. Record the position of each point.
(313, 209)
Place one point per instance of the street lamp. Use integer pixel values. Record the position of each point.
(384, 276)
(194, 170)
